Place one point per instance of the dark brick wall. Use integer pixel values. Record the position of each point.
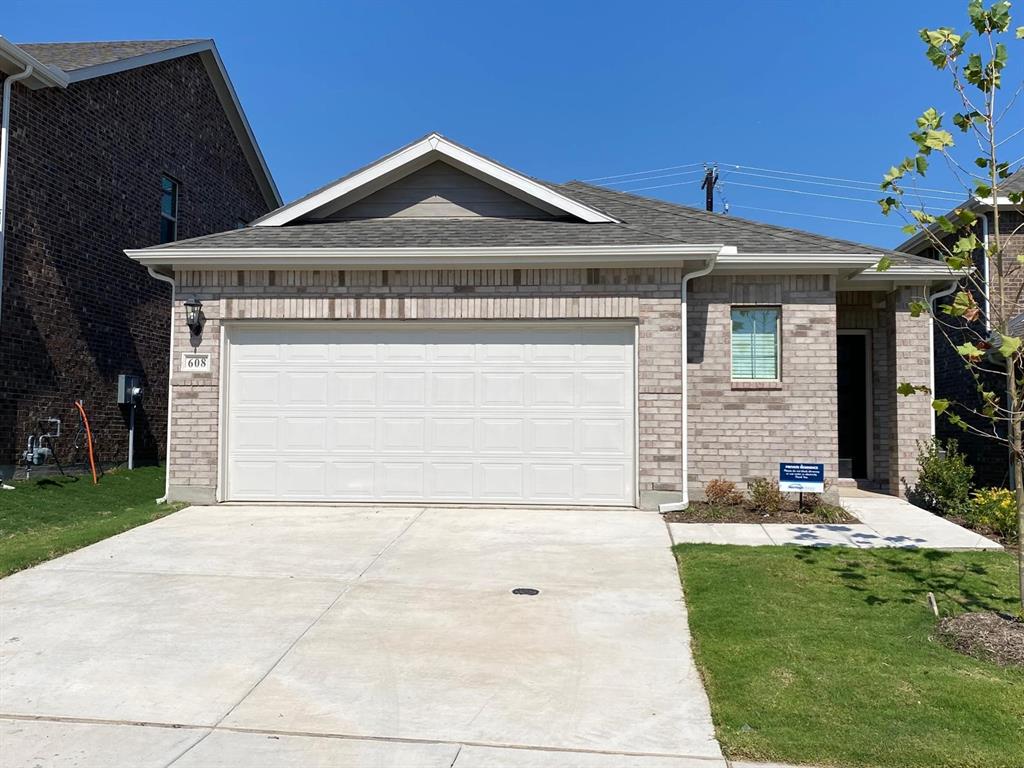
(84, 184)
(953, 381)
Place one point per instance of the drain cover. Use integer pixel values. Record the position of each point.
(525, 591)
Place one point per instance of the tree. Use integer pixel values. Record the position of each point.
(990, 269)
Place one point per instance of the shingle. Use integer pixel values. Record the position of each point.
(72, 56)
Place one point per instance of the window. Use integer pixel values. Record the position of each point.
(168, 210)
(755, 343)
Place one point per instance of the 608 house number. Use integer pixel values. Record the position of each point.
(195, 362)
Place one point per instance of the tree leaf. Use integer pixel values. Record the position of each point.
(883, 264)
(968, 350)
(940, 406)
(1010, 345)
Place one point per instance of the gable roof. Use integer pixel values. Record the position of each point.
(624, 229)
(416, 155)
(58, 65)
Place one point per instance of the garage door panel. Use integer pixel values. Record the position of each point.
(511, 415)
(300, 433)
(358, 388)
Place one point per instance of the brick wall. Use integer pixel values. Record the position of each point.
(84, 184)
(742, 430)
(649, 297)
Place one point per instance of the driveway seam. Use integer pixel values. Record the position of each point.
(345, 590)
(363, 737)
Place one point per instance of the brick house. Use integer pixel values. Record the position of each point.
(990, 459)
(110, 146)
(438, 327)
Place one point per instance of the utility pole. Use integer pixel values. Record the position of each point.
(708, 185)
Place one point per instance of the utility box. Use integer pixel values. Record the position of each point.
(129, 388)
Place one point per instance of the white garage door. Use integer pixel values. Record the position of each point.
(538, 414)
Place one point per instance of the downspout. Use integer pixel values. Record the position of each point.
(984, 262)
(931, 298)
(684, 379)
(5, 133)
(170, 376)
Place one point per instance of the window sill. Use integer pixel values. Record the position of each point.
(756, 384)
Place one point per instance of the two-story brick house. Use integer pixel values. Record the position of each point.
(107, 146)
(438, 327)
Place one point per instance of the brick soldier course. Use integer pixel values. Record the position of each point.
(84, 182)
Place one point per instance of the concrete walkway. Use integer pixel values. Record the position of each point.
(885, 521)
(265, 636)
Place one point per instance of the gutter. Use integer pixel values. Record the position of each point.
(684, 377)
(170, 389)
(5, 135)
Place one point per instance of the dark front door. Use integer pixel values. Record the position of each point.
(851, 364)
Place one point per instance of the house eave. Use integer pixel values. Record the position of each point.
(414, 258)
(14, 60)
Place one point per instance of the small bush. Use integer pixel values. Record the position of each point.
(722, 493)
(944, 481)
(995, 510)
(765, 496)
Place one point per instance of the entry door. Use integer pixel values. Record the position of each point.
(538, 414)
(854, 429)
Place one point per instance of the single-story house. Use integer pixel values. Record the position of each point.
(437, 327)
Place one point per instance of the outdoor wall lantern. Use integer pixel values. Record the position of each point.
(194, 316)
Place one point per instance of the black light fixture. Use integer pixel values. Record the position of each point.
(194, 315)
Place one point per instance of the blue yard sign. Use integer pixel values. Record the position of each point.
(802, 478)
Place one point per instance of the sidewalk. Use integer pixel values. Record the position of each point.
(885, 521)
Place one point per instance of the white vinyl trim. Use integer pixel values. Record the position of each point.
(434, 147)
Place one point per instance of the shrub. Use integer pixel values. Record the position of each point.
(944, 481)
(722, 493)
(765, 495)
(995, 510)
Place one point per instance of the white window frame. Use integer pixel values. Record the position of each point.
(778, 342)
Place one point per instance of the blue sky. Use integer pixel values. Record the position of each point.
(565, 90)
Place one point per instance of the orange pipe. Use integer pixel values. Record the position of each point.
(88, 438)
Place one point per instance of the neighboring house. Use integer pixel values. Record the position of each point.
(953, 381)
(437, 327)
(110, 146)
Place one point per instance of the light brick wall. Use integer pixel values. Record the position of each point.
(736, 432)
(911, 415)
(740, 430)
(649, 297)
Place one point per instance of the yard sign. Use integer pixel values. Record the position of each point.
(802, 478)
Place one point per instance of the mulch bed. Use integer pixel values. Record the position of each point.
(985, 635)
(702, 512)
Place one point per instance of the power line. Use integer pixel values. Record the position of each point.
(833, 178)
(840, 186)
(651, 178)
(640, 173)
(816, 216)
(801, 192)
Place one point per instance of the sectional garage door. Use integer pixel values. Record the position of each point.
(498, 414)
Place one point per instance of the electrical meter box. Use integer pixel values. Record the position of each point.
(129, 388)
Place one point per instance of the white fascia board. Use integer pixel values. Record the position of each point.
(909, 274)
(43, 76)
(431, 147)
(368, 258)
(804, 263)
(225, 92)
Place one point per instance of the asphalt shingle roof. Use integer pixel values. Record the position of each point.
(72, 56)
(643, 221)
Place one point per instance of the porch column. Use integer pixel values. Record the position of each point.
(911, 417)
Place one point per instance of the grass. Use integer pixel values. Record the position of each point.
(46, 518)
(825, 656)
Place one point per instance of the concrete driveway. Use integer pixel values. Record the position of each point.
(336, 636)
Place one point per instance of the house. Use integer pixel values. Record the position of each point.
(107, 146)
(438, 327)
(953, 381)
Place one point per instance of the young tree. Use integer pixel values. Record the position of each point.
(987, 261)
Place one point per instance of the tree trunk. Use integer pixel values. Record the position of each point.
(1018, 474)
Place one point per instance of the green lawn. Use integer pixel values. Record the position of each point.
(824, 656)
(44, 518)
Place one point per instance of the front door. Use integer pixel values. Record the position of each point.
(854, 429)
